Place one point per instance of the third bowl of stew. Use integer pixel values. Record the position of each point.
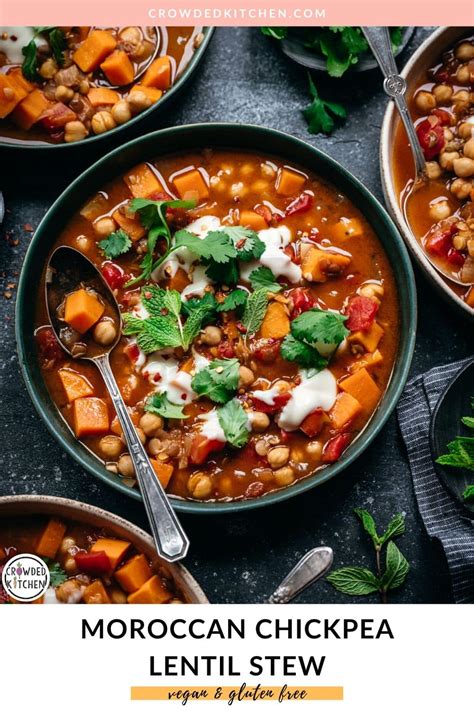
(268, 315)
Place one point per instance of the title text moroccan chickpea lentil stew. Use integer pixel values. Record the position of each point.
(260, 323)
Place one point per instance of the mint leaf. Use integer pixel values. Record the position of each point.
(396, 568)
(195, 321)
(262, 278)
(299, 352)
(468, 493)
(234, 422)
(354, 581)
(255, 310)
(154, 333)
(318, 326)
(30, 62)
(368, 524)
(207, 302)
(459, 455)
(160, 405)
(219, 381)
(395, 528)
(321, 115)
(115, 244)
(232, 301)
(468, 421)
(278, 33)
(57, 42)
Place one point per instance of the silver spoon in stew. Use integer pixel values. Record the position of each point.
(311, 567)
(395, 87)
(87, 323)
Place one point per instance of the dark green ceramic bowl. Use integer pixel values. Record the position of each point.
(190, 138)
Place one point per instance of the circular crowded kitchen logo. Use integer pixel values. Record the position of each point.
(25, 577)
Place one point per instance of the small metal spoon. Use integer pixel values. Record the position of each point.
(66, 271)
(310, 568)
(395, 86)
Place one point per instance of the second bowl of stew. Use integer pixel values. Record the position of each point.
(268, 313)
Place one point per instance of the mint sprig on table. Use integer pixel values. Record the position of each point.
(461, 454)
(362, 581)
(321, 115)
(308, 329)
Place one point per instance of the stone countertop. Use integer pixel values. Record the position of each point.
(243, 557)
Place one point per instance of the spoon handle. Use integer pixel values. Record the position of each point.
(310, 568)
(395, 86)
(170, 539)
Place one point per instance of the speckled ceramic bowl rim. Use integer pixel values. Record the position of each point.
(86, 513)
(157, 106)
(403, 271)
(441, 38)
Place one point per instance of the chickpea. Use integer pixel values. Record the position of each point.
(118, 596)
(200, 485)
(70, 565)
(440, 210)
(102, 122)
(465, 130)
(372, 291)
(84, 87)
(425, 101)
(125, 466)
(69, 590)
(461, 188)
(151, 423)
(465, 51)
(246, 377)
(111, 446)
(141, 435)
(447, 158)
(314, 449)
(284, 476)
(83, 243)
(104, 226)
(139, 101)
(155, 446)
(278, 456)
(259, 422)
(66, 544)
(131, 34)
(63, 93)
(463, 74)
(211, 336)
(121, 112)
(442, 93)
(261, 447)
(464, 167)
(237, 189)
(268, 171)
(468, 149)
(75, 131)
(461, 99)
(283, 386)
(105, 332)
(48, 69)
(433, 170)
(460, 241)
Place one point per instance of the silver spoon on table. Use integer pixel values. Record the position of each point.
(395, 87)
(310, 567)
(67, 270)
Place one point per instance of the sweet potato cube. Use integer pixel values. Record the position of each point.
(158, 74)
(363, 388)
(318, 264)
(102, 96)
(191, 185)
(163, 471)
(114, 549)
(10, 95)
(369, 360)
(289, 182)
(74, 384)
(134, 573)
(153, 592)
(347, 227)
(96, 594)
(276, 323)
(83, 309)
(30, 109)
(153, 94)
(131, 225)
(92, 52)
(252, 220)
(91, 417)
(179, 281)
(370, 339)
(344, 410)
(118, 68)
(142, 181)
(51, 538)
(16, 77)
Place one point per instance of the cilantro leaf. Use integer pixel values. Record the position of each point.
(321, 114)
(115, 244)
(278, 33)
(255, 310)
(262, 277)
(354, 581)
(319, 326)
(468, 493)
(216, 245)
(160, 405)
(247, 243)
(234, 422)
(219, 381)
(234, 300)
(294, 350)
(30, 62)
(57, 43)
(224, 273)
(56, 573)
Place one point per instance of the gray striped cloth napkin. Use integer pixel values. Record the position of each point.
(442, 517)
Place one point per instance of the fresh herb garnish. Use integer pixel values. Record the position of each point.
(263, 277)
(321, 115)
(56, 574)
(154, 333)
(278, 33)
(207, 301)
(299, 352)
(195, 321)
(255, 310)
(468, 493)
(115, 244)
(361, 581)
(461, 454)
(219, 381)
(311, 328)
(236, 299)
(234, 422)
(159, 404)
(57, 43)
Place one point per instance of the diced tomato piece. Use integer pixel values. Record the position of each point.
(201, 448)
(132, 351)
(302, 300)
(314, 422)
(57, 117)
(335, 447)
(114, 275)
(286, 436)
(443, 116)
(226, 349)
(265, 212)
(303, 203)
(430, 133)
(361, 313)
(48, 344)
(279, 401)
(439, 241)
(95, 564)
(455, 257)
(266, 349)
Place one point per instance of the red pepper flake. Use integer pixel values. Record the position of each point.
(28, 228)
